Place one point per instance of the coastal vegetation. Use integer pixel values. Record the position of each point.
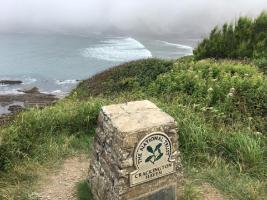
(244, 39)
(220, 106)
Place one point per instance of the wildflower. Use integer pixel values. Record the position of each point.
(210, 89)
(203, 109)
(257, 133)
(230, 94)
(195, 105)
(209, 108)
(232, 90)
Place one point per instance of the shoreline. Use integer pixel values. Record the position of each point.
(11, 104)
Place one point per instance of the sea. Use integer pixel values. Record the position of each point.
(57, 63)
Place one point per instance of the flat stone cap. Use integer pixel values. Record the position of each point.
(136, 116)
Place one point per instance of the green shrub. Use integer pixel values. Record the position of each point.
(261, 63)
(246, 39)
(228, 90)
(126, 77)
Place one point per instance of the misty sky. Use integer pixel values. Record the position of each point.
(144, 16)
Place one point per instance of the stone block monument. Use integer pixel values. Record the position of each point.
(135, 154)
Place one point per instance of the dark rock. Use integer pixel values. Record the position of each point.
(19, 102)
(33, 90)
(10, 82)
(15, 108)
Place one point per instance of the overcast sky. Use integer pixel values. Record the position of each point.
(151, 16)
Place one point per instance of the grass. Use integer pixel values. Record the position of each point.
(40, 139)
(233, 183)
(192, 191)
(83, 191)
(219, 105)
(222, 129)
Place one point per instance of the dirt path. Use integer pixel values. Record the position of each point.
(62, 185)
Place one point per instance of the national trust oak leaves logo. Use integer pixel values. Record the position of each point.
(156, 154)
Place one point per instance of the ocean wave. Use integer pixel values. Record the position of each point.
(59, 82)
(28, 80)
(177, 45)
(118, 50)
(10, 92)
(59, 93)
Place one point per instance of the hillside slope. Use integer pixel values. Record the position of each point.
(220, 107)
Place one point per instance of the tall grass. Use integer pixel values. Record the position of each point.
(25, 137)
(220, 107)
(39, 139)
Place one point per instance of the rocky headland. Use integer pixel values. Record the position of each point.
(10, 82)
(11, 104)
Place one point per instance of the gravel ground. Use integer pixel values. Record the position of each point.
(62, 184)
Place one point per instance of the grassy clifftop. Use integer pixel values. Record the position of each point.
(220, 107)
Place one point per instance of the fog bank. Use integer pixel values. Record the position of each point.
(156, 17)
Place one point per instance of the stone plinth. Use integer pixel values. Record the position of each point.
(135, 154)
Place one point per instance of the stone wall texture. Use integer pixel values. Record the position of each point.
(120, 128)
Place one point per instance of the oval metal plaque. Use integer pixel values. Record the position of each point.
(152, 158)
